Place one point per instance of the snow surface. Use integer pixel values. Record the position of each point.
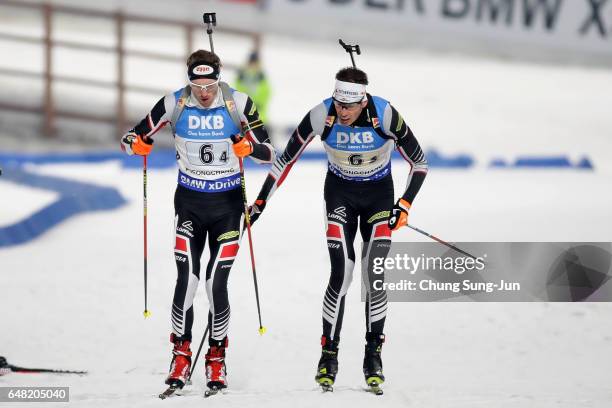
(73, 298)
(30, 199)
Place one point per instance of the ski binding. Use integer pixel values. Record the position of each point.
(374, 385)
(327, 384)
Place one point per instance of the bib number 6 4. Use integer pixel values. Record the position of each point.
(207, 154)
(211, 154)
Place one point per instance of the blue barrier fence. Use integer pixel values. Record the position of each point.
(78, 197)
(165, 158)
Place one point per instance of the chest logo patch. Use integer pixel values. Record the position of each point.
(206, 122)
(354, 137)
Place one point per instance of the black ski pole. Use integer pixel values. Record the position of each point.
(193, 366)
(351, 49)
(210, 20)
(247, 221)
(442, 241)
(4, 365)
(146, 312)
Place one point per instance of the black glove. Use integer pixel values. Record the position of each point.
(256, 209)
(399, 215)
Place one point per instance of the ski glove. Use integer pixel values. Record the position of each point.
(399, 215)
(132, 143)
(242, 146)
(256, 209)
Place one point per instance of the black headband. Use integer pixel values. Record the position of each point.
(199, 70)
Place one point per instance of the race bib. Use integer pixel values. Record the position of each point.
(208, 153)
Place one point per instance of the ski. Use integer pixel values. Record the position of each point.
(214, 390)
(6, 368)
(23, 370)
(169, 392)
(327, 388)
(375, 389)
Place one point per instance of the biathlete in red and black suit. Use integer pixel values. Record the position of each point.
(359, 132)
(208, 200)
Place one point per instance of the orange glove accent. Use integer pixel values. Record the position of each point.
(142, 148)
(402, 222)
(403, 204)
(399, 215)
(242, 147)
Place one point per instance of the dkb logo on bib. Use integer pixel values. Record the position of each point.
(354, 137)
(206, 122)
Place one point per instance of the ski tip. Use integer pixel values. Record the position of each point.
(212, 391)
(146, 314)
(169, 391)
(262, 330)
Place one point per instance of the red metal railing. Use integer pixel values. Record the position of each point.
(48, 108)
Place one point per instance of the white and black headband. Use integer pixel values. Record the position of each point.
(349, 92)
(199, 70)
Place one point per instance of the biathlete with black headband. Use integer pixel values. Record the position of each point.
(359, 132)
(208, 199)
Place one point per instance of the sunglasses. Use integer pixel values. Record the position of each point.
(206, 88)
(348, 106)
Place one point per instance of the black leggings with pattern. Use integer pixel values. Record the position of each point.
(201, 216)
(349, 205)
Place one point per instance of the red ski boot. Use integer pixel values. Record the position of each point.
(181, 363)
(215, 366)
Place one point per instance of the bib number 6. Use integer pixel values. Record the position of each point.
(213, 153)
(355, 159)
(206, 154)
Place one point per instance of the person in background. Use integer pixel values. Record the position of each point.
(252, 81)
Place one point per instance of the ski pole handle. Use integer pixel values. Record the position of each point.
(210, 20)
(351, 49)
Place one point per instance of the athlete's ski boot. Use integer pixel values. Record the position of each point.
(328, 364)
(181, 363)
(372, 363)
(215, 366)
